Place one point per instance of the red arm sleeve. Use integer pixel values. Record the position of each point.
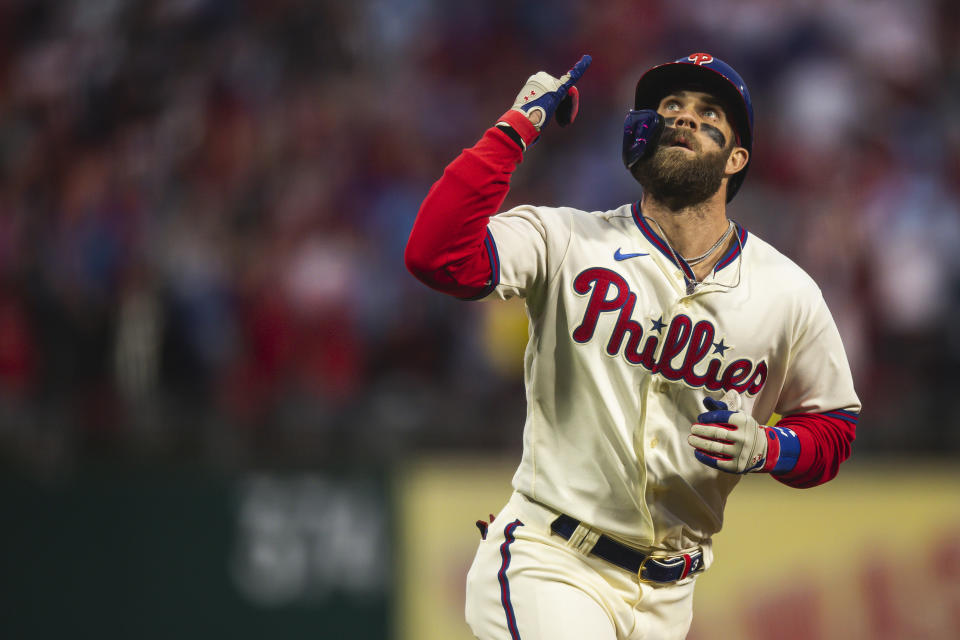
(825, 440)
(449, 249)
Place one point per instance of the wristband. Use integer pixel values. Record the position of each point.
(783, 450)
(512, 134)
(521, 125)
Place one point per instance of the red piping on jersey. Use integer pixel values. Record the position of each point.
(659, 242)
(664, 248)
(449, 248)
(825, 440)
(734, 251)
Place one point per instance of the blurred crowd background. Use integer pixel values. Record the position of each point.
(204, 205)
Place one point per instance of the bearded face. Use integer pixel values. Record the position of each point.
(680, 173)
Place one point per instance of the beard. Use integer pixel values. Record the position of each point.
(679, 179)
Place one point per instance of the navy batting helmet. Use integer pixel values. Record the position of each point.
(703, 72)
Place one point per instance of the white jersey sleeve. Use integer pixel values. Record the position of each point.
(817, 374)
(530, 243)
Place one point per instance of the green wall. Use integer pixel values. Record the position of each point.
(178, 554)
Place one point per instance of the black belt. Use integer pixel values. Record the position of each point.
(662, 569)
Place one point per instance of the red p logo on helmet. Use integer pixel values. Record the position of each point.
(700, 58)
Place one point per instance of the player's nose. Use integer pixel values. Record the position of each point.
(687, 120)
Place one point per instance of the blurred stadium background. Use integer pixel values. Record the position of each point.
(225, 406)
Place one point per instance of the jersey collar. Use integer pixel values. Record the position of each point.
(661, 245)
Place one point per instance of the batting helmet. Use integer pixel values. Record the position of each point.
(703, 72)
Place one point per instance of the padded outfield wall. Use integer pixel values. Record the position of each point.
(873, 554)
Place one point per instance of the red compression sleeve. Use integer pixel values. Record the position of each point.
(447, 248)
(825, 441)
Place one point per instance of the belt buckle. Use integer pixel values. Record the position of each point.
(694, 566)
(643, 567)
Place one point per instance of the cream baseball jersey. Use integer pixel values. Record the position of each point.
(621, 354)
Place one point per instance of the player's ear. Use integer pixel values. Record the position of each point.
(737, 160)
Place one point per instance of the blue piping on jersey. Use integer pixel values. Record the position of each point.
(735, 250)
(664, 248)
(494, 257)
(842, 414)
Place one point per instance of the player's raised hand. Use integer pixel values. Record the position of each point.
(543, 96)
(734, 442)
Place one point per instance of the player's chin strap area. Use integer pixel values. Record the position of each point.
(649, 568)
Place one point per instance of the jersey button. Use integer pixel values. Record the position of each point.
(653, 443)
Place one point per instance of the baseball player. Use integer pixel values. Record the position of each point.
(663, 335)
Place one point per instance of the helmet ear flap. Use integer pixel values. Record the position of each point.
(641, 131)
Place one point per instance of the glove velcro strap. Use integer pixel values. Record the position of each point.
(783, 450)
(520, 124)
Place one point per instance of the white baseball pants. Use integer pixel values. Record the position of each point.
(529, 584)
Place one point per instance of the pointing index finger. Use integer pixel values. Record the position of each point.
(577, 71)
